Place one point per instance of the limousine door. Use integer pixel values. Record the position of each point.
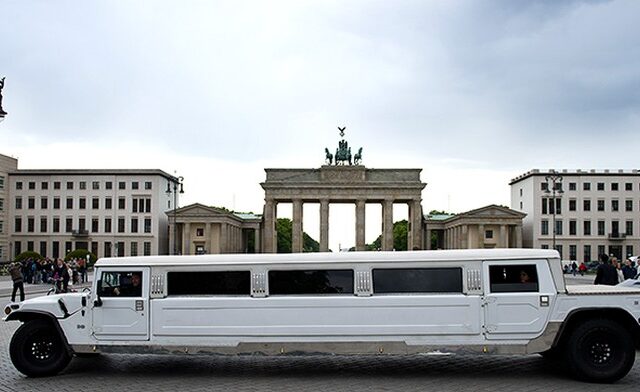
(122, 311)
(517, 299)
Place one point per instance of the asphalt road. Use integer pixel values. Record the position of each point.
(123, 373)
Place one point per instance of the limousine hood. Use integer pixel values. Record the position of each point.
(601, 289)
(59, 306)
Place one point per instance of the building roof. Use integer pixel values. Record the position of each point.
(90, 172)
(575, 173)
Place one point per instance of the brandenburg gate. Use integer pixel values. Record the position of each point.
(343, 182)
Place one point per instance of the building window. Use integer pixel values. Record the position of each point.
(628, 186)
(83, 203)
(32, 185)
(134, 185)
(1, 182)
(629, 250)
(544, 186)
(69, 203)
(94, 247)
(199, 232)
(586, 253)
(30, 246)
(95, 185)
(43, 225)
(147, 248)
(43, 248)
(488, 234)
(544, 206)
(544, 246)
(559, 226)
(107, 225)
(44, 203)
(107, 203)
(69, 225)
(600, 205)
(615, 205)
(601, 250)
(120, 248)
(601, 227)
(572, 186)
(83, 185)
(18, 185)
(544, 227)
(147, 206)
(31, 225)
(147, 225)
(82, 225)
(108, 185)
(17, 247)
(614, 186)
(31, 203)
(573, 252)
(586, 186)
(56, 185)
(121, 203)
(107, 249)
(18, 225)
(1, 204)
(44, 185)
(573, 227)
(601, 186)
(147, 186)
(134, 205)
(94, 225)
(120, 225)
(628, 228)
(18, 203)
(628, 205)
(95, 203)
(56, 203)
(69, 184)
(572, 204)
(134, 249)
(122, 185)
(586, 227)
(56, 225)
(559, 249)
(134, 225)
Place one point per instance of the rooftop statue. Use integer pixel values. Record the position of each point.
(343, 153)
(2, 112)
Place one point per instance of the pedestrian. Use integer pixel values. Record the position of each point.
(606, 273)
(61, 271)
(18, 283)
(582, 268)
(627, 270)
(574, 268)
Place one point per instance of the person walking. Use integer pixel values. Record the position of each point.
(606, 273)
(18, 282)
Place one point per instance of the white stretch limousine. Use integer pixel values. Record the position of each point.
(462, 301)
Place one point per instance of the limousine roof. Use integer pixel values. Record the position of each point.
(342, 257)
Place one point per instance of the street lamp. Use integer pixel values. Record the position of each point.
(556, 189)
(176, 181)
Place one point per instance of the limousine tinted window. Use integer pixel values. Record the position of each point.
(311, 282)
(209, 283)
(417, 280)
(513, 278)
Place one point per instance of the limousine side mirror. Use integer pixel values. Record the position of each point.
(98, 301)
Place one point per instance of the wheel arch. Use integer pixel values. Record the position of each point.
(576, 317)
(30, 315)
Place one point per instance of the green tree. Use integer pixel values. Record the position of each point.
(284, 227)
(400, 232)
(28, 255)
(81, 254)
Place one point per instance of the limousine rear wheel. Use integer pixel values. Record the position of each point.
(600, 351)
(37, 350)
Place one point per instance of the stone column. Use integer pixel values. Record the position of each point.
(360, 224)
(207, 242)
(224, 237)
(256, 241)
(324, 225)
(428, 239)
(387, 225)
(518, 236)
(186, 239)
(464, 243)
(481, 236)
(503, 237)
(270, 240)
(296, 228)
(415, 234)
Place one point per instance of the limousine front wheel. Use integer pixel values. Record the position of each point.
(600, 351)
(37, 349)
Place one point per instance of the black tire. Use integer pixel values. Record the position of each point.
(37, 350)
(600, 350)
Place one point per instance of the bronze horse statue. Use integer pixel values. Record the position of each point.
(357, 159)
(328, 156)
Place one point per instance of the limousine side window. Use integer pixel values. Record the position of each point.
(121, 284)
(513, 278)
(209, 283)
(313, 282)
(417, 280)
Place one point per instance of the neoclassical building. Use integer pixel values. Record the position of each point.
(492, 226)
(200, 229)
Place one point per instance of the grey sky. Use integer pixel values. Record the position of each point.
(473, 92)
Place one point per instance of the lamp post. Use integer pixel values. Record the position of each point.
(556, 189)
(175, 181)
